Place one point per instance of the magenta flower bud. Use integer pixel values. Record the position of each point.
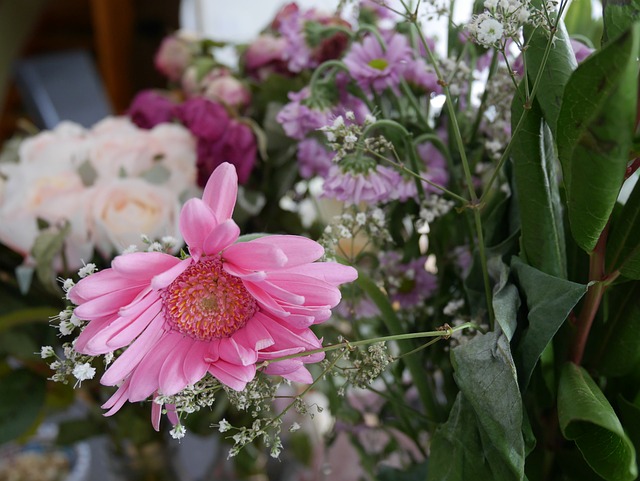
(150, 108)
(229, 91)
(204, 118)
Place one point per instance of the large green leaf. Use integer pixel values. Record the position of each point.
(587, 418)
(623, 246)
(560, 64)
(616, 347)
(595, 132)
(488, 415)
(536, 182)
(618, 17)
(22, 395)
(549, 302)
(457, 453)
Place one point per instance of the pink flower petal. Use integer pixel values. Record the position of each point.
(244, 274)
(92, 329)
(146, 376)
(290, 369)
(104, 306)
(235, 353)
(128, 332)
(142, 266)
(298, 250)
(171, 377)
(254, 335)
(129, 359)
(195, 366)
(196, 222)
(315, 292)
(232, 375)
(255, 256)
(221, 237)
(115, 402)
(221, 191)
(166, 278)
(97, 285)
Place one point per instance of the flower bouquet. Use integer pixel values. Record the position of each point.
(442, 263)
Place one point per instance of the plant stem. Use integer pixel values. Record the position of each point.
(445, 332)
(592, 301)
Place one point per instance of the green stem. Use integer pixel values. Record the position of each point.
(483, 262)
(26, 316)
(445, 332)
(315, 77)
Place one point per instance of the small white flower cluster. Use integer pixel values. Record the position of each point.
(72, 365)
(431, 208)
(458, 75)
(503, 19)
(368, 366)
(166, 244)
(496, 122)
(371, 223)
(256, 397)
(193, 398)
(343, 136)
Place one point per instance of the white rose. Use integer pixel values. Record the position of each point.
(176, 149)
(66, 145)
(125, 208)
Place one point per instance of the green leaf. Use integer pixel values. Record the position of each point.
(618, 342)
(618, 15)
(595, 133)
(457, 453)
(536, 183)
(416, 472)
(22, 395)
(578, 18)
(506, 302)
(483, 438)
(587, 418)
(623, 245)
(560, 64)
(630, 416)
(549, 302)
(46, 247)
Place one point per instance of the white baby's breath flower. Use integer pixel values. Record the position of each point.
(46, 351)
(75, 320)
(84, 371)
(66, 328)
(131, 249)
(489, 31)
(87, 269)
(224, 426)
(178, 431)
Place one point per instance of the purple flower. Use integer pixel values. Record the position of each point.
(149, 108)
(377, 69)
(408, 284)
(580, 50)
(237, 146)
(297, 119)
(375, 185)
(313, 158)
(422, 76)
(435, 171)
(204, 118)
(266, 56)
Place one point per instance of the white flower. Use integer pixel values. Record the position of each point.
(490, 4)
(75, 320)
(46, 351)
(489, 30)
(84, 371)
(66, 328)
(87, 269)
(67, 285)
(224, 426)
(178, 431)
(294, 427)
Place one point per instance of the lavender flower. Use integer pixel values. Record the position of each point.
(313, 158)
(408, 284)
(376, 69)
(354, 186)
(298, 119)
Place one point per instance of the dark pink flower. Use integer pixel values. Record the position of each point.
(204, 118)
(266, 56)
(150, 108)
(236, 146)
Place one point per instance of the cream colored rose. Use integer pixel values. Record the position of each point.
(176, 152)
(123, 209)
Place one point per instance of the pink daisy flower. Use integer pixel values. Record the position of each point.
(221, 311)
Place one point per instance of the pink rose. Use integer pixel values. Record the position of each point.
(173, 57)
(266, 56)
(228, 90)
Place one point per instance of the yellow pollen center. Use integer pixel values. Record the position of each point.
(205, 303)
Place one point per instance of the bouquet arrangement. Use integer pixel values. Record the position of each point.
(476, 223)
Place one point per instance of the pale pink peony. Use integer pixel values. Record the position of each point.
(228, 307)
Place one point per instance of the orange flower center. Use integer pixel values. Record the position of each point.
(205, 303)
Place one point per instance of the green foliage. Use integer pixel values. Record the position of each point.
(619, 15)
(536, 181)
(22, 396)
(549, 301)
(595, 132)
(484, 432)
(623, 247)
(46, 247)
(587, 418)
